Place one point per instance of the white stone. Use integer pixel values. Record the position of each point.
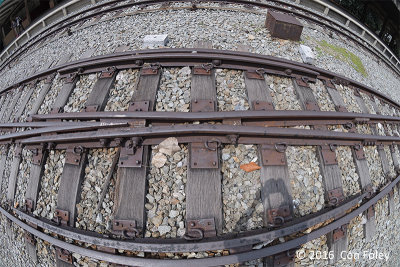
(155, 40)
(163, 229)
(306, 54)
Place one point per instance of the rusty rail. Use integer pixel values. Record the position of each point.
(240, 257)
(186, 57)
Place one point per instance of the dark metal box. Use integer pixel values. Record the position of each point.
(283, 26)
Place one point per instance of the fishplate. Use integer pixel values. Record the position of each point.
(74, 155)
(204, 155)
(199, 229)
(30, 239)
(205, 105)
(328, 154)
(91, 108)
(339, 233)
(64, 255)
(108, 72)
(335, 196)
(61, 217)
(131, 154)
(274, 155)
(262, 105)
(278, 216)
(28, 205)
(203, 69)
(125, 228)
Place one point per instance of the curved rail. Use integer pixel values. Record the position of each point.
(395, 66)
(240, 257)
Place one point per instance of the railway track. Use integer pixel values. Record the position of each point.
(169, 171)
(94, 15)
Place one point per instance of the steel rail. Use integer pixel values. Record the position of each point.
(242, 60)
(61, 129)
(43, 124)
(275, 115)
(230, 259)
(181, 245)
(63, 23)
(208, 129)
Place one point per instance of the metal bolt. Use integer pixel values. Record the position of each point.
(214, 163)
(138, 162)
(192, 224)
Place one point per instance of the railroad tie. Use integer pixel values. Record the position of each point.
(132, 169)
(275, 181)
(359, 160)
(203, 187)
(337, 239)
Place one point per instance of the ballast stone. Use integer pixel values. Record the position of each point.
(155, 40)
(306, 54)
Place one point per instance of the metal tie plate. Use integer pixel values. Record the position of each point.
(199, 229)
(339, 233)
(328, 154)
(274, 155)
(64, 255)
(131, 154)
(204, 155)
(202, 105)
(262, 105)
(279, 216)
(125, 228)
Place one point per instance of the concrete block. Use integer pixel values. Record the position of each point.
(307, 54)
(155, 40)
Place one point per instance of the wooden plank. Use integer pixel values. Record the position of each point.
(3, 160)
(121, 48)
(70, 185)
(32, 192)
(64, 59)
(12, 181)
(361, 166)
(381, 151)
(4, 108)
(2, 100)
(99, 95)
(40, 98)
(12, 105)
(131, 182)
(203, 187)
(64, 95)
(88, 53)
(22, 106)
(330, 172)
(336, 98)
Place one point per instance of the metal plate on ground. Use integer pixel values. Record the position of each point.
(202, 157)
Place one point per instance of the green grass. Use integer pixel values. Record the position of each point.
(342, 54)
